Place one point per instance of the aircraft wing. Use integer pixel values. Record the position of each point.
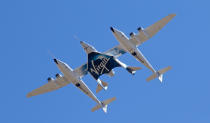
(142, 36)
(145, 34)
(115, 51)
(50, 86)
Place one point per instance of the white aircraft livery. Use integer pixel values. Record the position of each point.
(130, 44)
(70, 76)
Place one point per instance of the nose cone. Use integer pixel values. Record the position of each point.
(81, 42)
(117, 33)
(56, 61)
(84, 45)
(61, 65)
(112, 29)
(87, 47)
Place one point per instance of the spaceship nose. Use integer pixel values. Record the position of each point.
(81, 42)
(84, 45)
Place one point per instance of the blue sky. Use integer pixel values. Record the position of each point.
(28, 29)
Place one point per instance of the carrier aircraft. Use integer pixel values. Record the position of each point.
(70, 76)
(130, 44)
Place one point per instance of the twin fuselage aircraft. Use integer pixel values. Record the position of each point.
(103, 63)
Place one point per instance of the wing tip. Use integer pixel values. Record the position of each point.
(172, 15)
(29, 95)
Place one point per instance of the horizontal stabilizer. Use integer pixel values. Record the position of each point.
(99, 87)
(103, 105)
(106, 102)
(133, 70)
(159, 74)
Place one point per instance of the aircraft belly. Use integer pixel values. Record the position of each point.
(125, 45)
(140, 57)
(129, 47)
(83, 87)
(71, 76)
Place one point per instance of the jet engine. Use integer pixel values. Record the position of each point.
(132, 34)
(57, 75)
(50, 79)
(140, 29)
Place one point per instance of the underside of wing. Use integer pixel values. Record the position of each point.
(50, 86)
(115, 51)
(145, 34)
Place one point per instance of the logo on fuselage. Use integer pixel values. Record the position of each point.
(99, 69)
(99, 64)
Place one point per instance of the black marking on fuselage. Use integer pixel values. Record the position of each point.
(77, 84)
(133, 53)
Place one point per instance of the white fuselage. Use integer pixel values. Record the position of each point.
(131, 48)
(70, 75)
(124, 41)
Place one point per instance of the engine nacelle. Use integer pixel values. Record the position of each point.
(131, 34)
(57, 75)
(50, 79)
(140, 29)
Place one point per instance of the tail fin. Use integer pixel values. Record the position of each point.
(102, 85)
(103, 105)
(133, 70)
(159, 74)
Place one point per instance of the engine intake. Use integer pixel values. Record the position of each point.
(140, 28)
(57, 75)
(131, 34)
(49, 79)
